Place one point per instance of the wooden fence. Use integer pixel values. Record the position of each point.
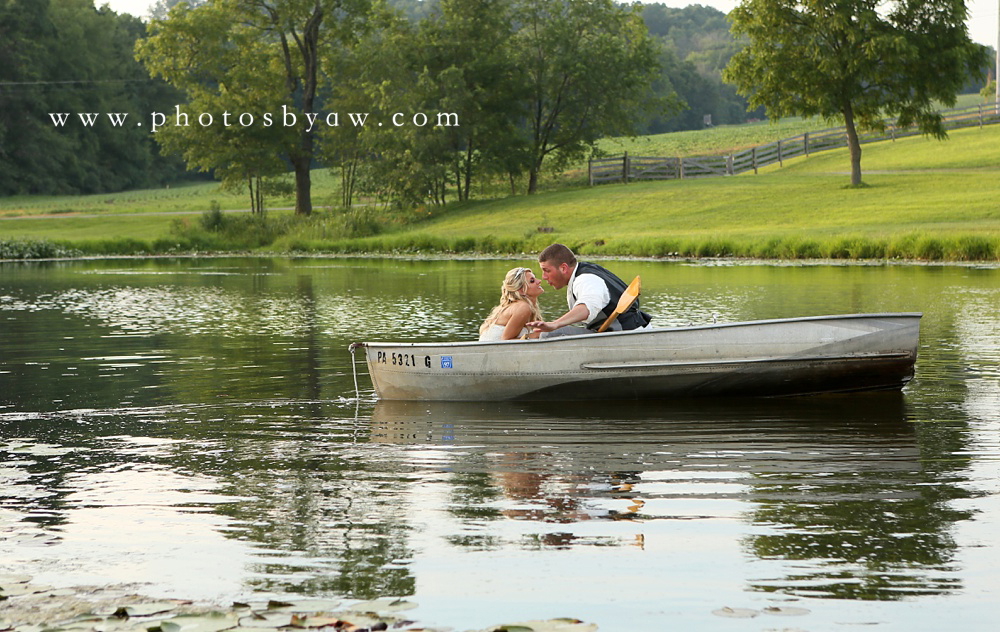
(628, 168)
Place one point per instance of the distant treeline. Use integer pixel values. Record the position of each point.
(63, 60)
(65, 56)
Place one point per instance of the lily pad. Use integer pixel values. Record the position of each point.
(36, 539)
(144, 609)
(93, 623)
(735, 613)
(14, 590)
(271, 620)
(363, 620)
(213, 622)
(562, 624)
(317, 621)
(786, 611)
(384, 605)
(305, 605)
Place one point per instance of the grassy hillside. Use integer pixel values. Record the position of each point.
(197, 197)
(924, 199)
(193, 197)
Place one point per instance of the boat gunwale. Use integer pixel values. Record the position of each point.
(635, 332)
(623, 366)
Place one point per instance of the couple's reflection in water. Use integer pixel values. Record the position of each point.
(837, 489)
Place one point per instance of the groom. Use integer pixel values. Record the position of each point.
(592, 294)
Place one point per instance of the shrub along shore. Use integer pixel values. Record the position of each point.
(923, 200)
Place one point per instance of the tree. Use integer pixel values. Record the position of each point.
(693, 94)
(465, 67)
(587, 67)
(861, 60)
(25, 29)
(382, 158)
(989, 91)
(224, 79)
(229, 54)
(70, 97)
(160, 9)
(465, 55)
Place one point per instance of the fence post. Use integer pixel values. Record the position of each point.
(680, 168)
(753, 159)
(805, 142)
(590, 171)
(729, 165)
(625, 168)
(780, 163)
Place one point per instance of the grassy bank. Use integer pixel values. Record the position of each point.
(923, 199)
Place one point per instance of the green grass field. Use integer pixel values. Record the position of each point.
(923, 199)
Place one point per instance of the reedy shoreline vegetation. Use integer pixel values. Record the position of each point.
(924, 200)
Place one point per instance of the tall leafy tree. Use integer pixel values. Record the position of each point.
(199, 51)
(229, 84)
(588, 66)
(859, 60)
(466, 70)
(377, 64)
(376, 157)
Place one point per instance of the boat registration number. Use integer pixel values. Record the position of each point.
(401, 359)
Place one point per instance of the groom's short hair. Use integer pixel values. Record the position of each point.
(557, 254)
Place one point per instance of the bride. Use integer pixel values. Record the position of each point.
(518, 305)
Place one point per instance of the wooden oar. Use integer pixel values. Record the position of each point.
(629, 296)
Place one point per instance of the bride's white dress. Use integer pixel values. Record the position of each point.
(495, 331)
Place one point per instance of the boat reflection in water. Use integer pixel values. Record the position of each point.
(831, 491)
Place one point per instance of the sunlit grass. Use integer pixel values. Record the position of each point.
(809, 195)
(187, 197)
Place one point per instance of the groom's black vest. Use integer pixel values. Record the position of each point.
(632, 318)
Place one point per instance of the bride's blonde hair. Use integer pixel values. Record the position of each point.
(511, 290)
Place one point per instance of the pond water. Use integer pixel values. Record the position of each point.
(190, 427)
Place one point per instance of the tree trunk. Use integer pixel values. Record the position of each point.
(347, 175)
(854, 144)
(253, 198)
(307, 43)
(468, 171)
(260, 196)
(532, 180)
(303, 185)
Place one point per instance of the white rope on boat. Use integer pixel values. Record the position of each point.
(354, 369)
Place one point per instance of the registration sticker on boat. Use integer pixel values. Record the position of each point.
(446, 362)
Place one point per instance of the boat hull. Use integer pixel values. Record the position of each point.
(793, 356)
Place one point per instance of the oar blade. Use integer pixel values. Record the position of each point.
(628, 297)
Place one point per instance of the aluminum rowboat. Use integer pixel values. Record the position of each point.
(790, 356)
